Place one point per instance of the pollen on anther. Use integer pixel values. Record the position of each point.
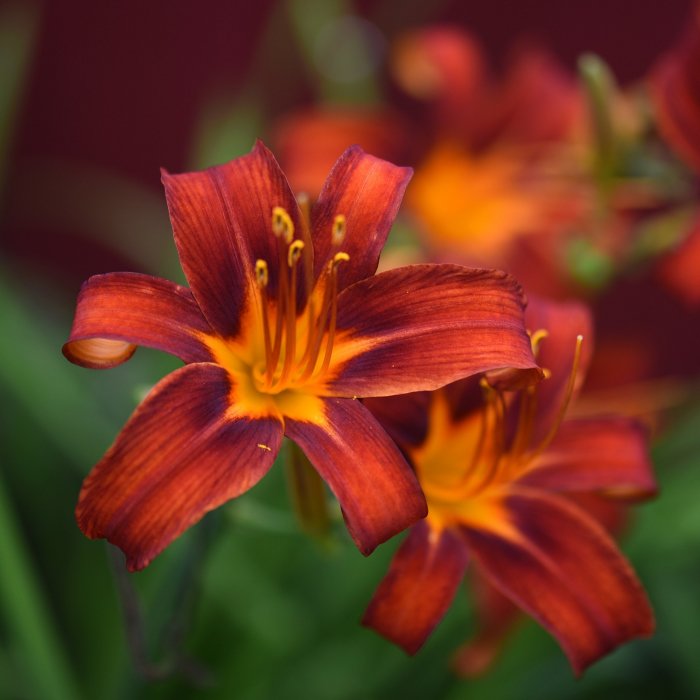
(340, 257)
(261, 273)
(264, 447)
(294, 252)
(338, 229)
(282, 224)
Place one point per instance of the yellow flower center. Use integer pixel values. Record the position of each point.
(284, 355)
(461, 463)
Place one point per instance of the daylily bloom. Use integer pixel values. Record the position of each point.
(309, 141)
(675, 92)
(498, 471)
(283, 328)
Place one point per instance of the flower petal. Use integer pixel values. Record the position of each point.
(367, 191)
(606, 454)
(376, 488)
(417, 591)
(309, 142)
(222, 221)
(675, 93)
(404, 417)
(678, 269)
(562, 568)
(118, 311)
(178, 457)
(422, 326)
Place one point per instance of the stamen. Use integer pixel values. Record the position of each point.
(526, 419)
(294, 253)
(293, 256)
(494, 423)
(282, 224)
(262, 278)
(571, 384)
(536, 338)
(261, 273)
(308, 266)
(328, 307)
(281, 308)
(338, 230)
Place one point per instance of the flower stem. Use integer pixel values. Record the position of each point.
(308, 494)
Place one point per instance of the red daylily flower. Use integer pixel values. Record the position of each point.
(309, 141)
(675, 92)
(284, 326)
(498, 473)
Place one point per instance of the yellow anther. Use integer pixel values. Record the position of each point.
(338, 258)
(536, 338)
(282, 224)
(261, 273)
(294, 252)
(338, 229)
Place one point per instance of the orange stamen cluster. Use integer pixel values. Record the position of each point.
(285, 332)
(495, 458)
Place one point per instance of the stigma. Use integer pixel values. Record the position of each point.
(297, 336)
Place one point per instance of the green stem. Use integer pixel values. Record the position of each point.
(307, 493)
(27, 615)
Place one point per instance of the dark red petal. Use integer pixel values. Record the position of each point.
(377, 490)
(444, 66)
(563, 321)
(562, 568)
(118, 311)
(309, 142)
(404, 417)
(678, 270)
(675, 91)
(422, 326)
(178, 457)
(417, 591)
(222, 221)
(535, 77)
(606, 454)
(367, 191)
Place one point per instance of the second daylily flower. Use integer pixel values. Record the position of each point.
(499, 472)
(283, 328)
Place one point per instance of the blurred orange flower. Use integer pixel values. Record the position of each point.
(502, 473)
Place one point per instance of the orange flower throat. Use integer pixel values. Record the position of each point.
(283, 356)
(461, 463)
(284, 365)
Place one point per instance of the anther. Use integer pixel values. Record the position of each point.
(294, 252)
(338, 229)
(536, 338)
(282, 224)
(338, 258)
(261, 273)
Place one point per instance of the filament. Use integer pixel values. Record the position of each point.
(565, 401)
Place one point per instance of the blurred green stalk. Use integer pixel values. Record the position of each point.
(27, 617)
(33, 370)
